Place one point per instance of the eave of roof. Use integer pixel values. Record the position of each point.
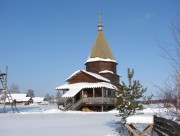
(106, 71)
(100, 59)
(73, 89)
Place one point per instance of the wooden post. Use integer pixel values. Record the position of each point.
(106, 92)
(152, 131)
(102, 94)
(5, 94)
(127, 132)
(57, 106)
(133, 130)
(5, 89)
(102, 108)
(73, 103)
(82, 93)
(93, 92)
(65, 102)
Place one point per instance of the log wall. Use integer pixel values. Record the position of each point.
(98, 66)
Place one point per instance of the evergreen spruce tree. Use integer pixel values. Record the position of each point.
(128, 95)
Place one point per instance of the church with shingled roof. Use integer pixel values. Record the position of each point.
(92, 89)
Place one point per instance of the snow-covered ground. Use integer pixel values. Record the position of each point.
(47, 121)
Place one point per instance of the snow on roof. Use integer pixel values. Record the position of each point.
(89, 73)
(23, 99)
(63, 87)
(19, 97)
(72, 91)
(75, 88)
(73, 74)
(100, 59)
(106, 71)
(38, 99)
(140, 119)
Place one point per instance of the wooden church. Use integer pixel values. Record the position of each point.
(93, 89)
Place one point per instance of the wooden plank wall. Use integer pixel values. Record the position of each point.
(164, 126)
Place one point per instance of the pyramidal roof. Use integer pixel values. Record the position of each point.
(101, 50)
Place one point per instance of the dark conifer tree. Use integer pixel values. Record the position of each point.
(128, 95)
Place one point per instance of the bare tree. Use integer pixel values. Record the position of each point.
(52, 100)
(171, 51)
(2, 97)
(170, 94)
(47, 97)
(14, 88)
(58, 95)
(59, 99)
(30, 93)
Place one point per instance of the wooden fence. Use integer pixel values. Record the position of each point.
(164, 127)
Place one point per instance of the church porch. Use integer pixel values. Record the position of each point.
(94, 99)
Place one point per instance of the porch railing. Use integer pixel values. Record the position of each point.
(97, 100)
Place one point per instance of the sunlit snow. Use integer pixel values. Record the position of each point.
(46, 121)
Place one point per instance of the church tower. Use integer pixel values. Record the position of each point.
(101, 59)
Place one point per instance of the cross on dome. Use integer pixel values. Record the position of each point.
(100, 24)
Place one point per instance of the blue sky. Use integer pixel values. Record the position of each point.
(45, 41)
